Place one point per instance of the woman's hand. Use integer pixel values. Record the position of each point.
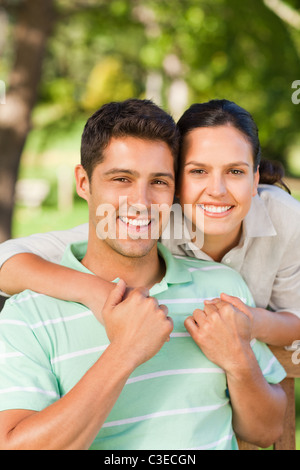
(222, 331)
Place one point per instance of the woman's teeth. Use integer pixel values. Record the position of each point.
(215, 209)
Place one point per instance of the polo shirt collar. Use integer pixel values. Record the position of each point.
(175, 274)
(73, 255)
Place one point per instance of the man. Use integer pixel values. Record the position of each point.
(135, 377)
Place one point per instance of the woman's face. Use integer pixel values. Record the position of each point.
(217, 180)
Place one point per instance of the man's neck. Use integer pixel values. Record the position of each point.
(136, 272)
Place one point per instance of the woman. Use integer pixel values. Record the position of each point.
(250, 227)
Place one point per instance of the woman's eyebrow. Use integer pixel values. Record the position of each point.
(205, 165)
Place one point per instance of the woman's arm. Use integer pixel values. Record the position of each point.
(273, 328)
(276, 328)
(31, 263)
(28, 271)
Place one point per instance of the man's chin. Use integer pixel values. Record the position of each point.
(133, 248)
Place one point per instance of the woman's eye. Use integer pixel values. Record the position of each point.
(236, 172)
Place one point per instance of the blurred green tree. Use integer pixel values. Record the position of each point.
(34, 21)
(175, 52)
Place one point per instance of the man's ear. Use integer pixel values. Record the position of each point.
(82, 182)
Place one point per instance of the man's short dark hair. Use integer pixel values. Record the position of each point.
(131, 118)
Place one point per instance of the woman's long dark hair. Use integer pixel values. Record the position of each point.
(223, 112)
(272, 172)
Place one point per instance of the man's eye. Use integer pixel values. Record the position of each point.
(236, 172)
(121, 180)
(197, 171)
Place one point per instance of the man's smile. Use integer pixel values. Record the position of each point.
(135, 225)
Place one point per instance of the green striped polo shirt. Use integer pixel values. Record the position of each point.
(176, 400)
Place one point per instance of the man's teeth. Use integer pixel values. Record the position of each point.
(215, 209)
(135, 222)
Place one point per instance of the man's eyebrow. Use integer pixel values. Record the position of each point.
(114, 171)
(163, 175)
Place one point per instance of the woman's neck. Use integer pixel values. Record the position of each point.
(217, 246)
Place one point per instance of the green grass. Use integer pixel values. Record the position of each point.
(44, 219)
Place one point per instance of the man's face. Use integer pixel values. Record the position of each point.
(130, 194)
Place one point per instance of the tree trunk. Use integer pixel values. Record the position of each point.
(33, 28)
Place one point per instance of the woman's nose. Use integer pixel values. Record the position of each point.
(216, 186)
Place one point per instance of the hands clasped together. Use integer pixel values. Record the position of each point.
(140, 326)
(222, 329)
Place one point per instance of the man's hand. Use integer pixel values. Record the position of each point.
(221, 330)
(96, 293)
(138, 325)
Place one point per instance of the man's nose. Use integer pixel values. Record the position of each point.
(139, 201)
(141, 195)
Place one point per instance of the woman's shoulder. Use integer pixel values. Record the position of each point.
(282, 208)
(275, 197)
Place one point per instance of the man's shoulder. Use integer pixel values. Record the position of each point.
(195, 264)
(19, 312)
(30, 307)
(213, 278)
(211, 269)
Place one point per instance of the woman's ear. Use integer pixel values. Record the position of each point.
(256, 181)
(82, 182)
